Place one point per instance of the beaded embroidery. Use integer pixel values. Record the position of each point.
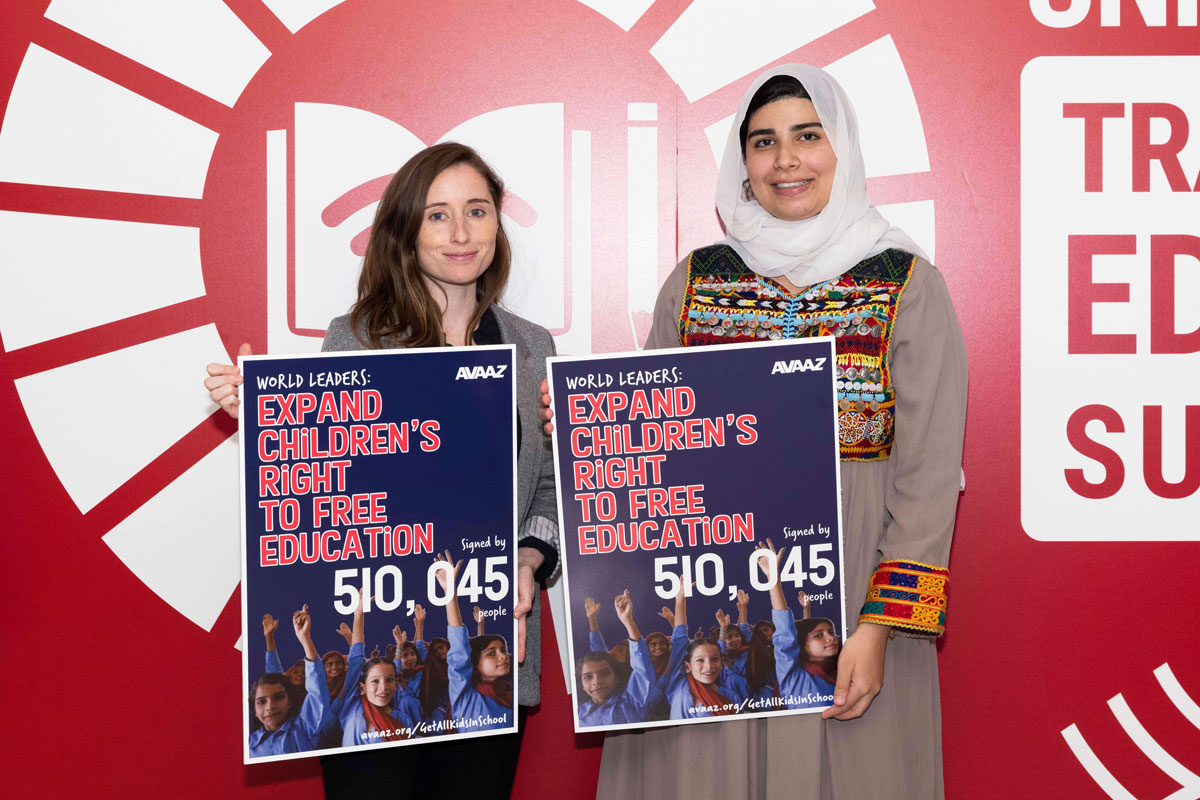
(908, 594)
(725, 302)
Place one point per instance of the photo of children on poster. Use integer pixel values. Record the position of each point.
(378, 534)
(699, 497)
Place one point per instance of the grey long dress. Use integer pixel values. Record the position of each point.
(901, 508)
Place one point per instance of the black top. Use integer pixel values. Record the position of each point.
(488, 332)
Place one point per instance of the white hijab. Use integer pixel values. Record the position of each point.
(848, 230)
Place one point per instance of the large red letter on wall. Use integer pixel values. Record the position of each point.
(1163, 249)
(1114, 470)
(1082, 293)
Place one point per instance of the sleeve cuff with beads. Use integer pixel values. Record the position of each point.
(909, 596)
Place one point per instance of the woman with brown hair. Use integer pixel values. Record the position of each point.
(436, 264)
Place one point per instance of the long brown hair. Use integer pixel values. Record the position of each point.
(395, 306)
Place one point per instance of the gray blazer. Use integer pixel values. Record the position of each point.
(537, 506)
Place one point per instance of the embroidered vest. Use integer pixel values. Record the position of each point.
(725, 302)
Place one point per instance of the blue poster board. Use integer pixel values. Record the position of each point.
(361, 473)
(675, 469)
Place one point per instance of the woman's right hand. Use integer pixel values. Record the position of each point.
(543, 406)
(222, 383)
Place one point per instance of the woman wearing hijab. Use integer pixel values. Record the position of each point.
(810, 256)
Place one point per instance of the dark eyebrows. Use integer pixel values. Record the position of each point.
(472, 201)
(771, 131)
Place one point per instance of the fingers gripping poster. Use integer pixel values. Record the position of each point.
(699, 494)
(378, 534)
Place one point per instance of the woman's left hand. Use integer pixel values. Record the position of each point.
(529, 560)
(544, 411)
(860, 672)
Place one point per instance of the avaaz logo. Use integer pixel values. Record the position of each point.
(480, 371)
(798, 365)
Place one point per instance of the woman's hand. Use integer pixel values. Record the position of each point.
(399, 637)
(860, 672)
(722, 618)
(667, 614)
(529, 560)
(344, 631)
(805, 603)
(544, 406)
(477, 613)
(223, 381)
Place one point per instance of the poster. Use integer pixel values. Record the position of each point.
(699, 496)
(373, 485)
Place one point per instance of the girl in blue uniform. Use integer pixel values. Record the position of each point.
(479, 669)
(698, 683)
(283, 720)
(604, 699)
(801, 672)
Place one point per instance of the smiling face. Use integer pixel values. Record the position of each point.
(789, 160)
(658, 645)
(457, 238)
(408, 658)
(379, 687)
(271, 705)
(733, 638)
(821, 642)
(335, 667)
(704, 664)
(494, 662)
(621, 652)
(598, 679)
(439, 650)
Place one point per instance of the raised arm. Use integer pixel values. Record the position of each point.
(357, 635)
(641, 679)
(344, 631)
(419, 622)
(624, 606)
(669, 615)
(477, 613)
(270, 624)
(316, 701)
(448, 579)
(681, 607)
(778, 603)
(302, 625)
(595, 637)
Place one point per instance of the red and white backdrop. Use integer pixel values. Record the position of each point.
(178, 177)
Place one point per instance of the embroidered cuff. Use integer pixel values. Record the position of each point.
(909, 595)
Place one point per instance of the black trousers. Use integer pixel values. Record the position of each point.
(481, 769)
